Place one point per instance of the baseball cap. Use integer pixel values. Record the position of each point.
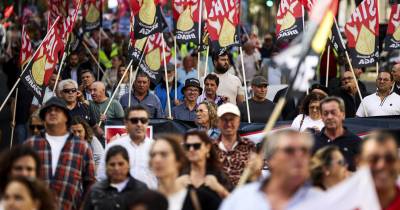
(228, 108)
(259, 81)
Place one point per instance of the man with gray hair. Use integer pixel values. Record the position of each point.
(334, 133)
(69, 92)
(288, 157)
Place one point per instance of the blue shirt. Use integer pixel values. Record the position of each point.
(252, 197)
(160, 91)
(181, 112)
(183, 75)
(150, 102)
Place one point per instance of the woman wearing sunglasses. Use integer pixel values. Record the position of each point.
(328, 167)
(35, 124)
(167, 159)
(206, 118)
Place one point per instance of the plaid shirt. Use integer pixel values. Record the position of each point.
(75, 170)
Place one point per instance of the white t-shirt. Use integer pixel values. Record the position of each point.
(175, 201)
(374, 106)
(120, 186)
(229, 86)
(307, 123)
(56, 145)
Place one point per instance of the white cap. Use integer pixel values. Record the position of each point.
(228, 108)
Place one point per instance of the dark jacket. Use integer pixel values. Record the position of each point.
(207, 200)
(104, 196)
(291, 108)
(351, 103)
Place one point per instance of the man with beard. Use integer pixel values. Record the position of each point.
(87, 78)
(187, 110)
(72, 70)
(384, 101)
(348, 92)
(379, 152)
(334, 133)
(229, 85)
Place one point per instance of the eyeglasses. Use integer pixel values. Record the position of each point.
(293, 150)
(388, 158)
(195, 146)
(39, 127)
(72, 90)
(135, 120)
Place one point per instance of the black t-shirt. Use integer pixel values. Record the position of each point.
(259, 111)
(349, 144)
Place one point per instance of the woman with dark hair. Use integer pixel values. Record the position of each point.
(116, 191)
(19, 161)
(25, 193)
(328, 167)
(204, 170)
(310, 117)
(206, 118)
(35, 124)
(149, 200)
(81, 128)
(167, 160)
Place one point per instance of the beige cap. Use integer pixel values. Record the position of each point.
(228, 108)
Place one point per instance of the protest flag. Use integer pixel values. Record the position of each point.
(362, 32)
(92, 12)
(44, 61)
(355, 193)
(153, 58)
(186, 15)
(289, 19)
(26, 51)
(148, 18)
(392, 39)
(223, 19)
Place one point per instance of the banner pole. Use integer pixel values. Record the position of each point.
(130, 86)
(198, 53)
(94, 58)
(206, 66)
(120, 81)
(13, 118)
(26, 66)
(327, 65)
(176, 70)
(166, 77)
(245, 86)
(98, 54)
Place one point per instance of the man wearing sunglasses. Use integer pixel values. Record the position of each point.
(287, 186)
(137, 144)
(379, 152)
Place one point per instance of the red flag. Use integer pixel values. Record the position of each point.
(148, 18)
(92, 12)
(289, 21)
(43, 63)
(186, 19)
(362, 32)
(308, 4)
(223, 23)
(26, 51)
(57, 8)
(392, 40)
(69, 22)
(8, 11)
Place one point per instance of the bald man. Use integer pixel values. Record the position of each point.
(100, 101)
(396, 77)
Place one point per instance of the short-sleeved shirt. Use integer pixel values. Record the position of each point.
(260, 111)
(150, 102)
(348, 143)
(229, 86)
(234, 161)
(114, 111)
(374, 106)
(182, 112)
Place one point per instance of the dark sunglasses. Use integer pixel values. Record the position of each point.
(293, 150)
(195, 146)
(39, 127)
(388, 158)
(135, 120)
(73, 90)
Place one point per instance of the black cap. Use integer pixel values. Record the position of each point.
(259, 81)
(57, 102)
(192, 82)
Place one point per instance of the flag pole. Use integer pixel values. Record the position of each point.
(98, 53)
(206, 67)
(198, 53)
(327, 65)
(60, 67)
(166, 77)
(245, 86)
(120, 81)
(13, 118)
(176, 70)
(130, 85)
(94, 58)
(350, 65)
(26, 66)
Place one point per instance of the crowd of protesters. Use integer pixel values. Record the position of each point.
(61, 160)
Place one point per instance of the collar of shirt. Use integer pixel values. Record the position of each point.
(345, 134)
(134, 96)
(221, 145)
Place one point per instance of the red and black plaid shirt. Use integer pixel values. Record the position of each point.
(75, 170)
